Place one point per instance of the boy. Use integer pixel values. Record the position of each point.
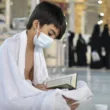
(22, 64)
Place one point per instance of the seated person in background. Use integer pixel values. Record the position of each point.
(22, 64)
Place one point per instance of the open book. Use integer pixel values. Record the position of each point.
(64, 82)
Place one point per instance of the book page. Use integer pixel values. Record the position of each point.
(60, 77)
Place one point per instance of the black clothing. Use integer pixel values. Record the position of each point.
(105, 39)
(81, 50)
(95, 43)
(71, 49)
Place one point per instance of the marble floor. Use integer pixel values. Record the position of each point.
(97, 80)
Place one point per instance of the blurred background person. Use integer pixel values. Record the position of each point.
(81, 49)
(95, 43)
(105, 39)
(71, 49)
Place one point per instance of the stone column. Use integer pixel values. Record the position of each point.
(79, 11)
(105, 8)
(71, 16)
(7, 13)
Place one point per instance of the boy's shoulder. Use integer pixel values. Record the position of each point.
(14, 39)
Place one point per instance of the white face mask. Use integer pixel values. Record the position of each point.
(43, 40)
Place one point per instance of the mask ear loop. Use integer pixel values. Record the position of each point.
(37, 30)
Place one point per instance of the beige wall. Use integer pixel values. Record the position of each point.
(79, 8)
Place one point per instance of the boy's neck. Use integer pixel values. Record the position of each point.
(30, 39)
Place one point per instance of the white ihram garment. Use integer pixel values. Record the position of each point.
(18, 94)
(15, 92)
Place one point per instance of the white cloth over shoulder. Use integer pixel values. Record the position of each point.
(81, 94)
(15, 92)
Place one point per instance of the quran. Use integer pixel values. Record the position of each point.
(64, 82)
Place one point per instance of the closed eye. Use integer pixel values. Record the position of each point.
(50, 34)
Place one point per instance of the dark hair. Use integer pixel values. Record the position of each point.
(48, 13)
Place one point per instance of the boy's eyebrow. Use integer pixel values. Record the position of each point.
(54, 32)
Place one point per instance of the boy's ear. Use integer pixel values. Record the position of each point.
(35, 24)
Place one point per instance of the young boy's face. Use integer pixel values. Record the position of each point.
(50, 30)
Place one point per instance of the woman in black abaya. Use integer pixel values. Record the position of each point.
(95, 43)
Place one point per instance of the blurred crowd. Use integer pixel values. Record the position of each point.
(99, 43)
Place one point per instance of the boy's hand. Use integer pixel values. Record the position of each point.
(71, 103)
(74, 106)
(41, 87)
